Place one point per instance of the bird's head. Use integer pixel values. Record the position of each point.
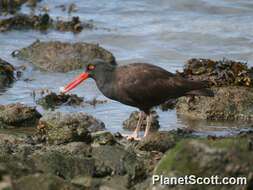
(94, 69)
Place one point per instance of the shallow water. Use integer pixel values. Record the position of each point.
(162, 32)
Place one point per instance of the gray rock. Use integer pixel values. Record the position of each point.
(207, 157)
(53, 100)
(229, 103)
(63, 57)
(43, 182)
(159, 141)
(103, 138)
(115, 160)
(18, 115)
(131, 123)
(59, 128)
(64, 164)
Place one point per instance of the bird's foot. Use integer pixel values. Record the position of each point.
(132, 137)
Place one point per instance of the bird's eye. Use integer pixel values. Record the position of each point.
(91, 67)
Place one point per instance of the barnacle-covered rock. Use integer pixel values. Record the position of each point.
(18, 115)
(219, 73)
(60, 128)
(63, 57)
(23, 21)
(229, 103)
(205, 157)
(52, 100)
(42, 22)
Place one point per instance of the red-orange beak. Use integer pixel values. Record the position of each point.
(76, 82)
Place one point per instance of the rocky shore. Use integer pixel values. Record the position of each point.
(75, 151)
(231, 82)
(66, 154)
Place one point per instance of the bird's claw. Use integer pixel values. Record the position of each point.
(133, 137)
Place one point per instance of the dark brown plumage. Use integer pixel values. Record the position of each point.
(142, 85)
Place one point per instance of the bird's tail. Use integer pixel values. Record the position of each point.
(200, 88)
(201, 92)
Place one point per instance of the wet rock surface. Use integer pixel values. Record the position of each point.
(25, 22)
(131, 123)
(42, 22)
(60, 128)
(103, 138)
(43, 182)
(6, 73)
(229, 103)
(53, 100)
(18, 115)
(219, 73)
(9, 6)
(158, 141)
(122, 165)
(204, 157)
(63, 57)
(112, 163)
(231, 82)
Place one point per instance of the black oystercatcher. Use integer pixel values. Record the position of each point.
(139, 85)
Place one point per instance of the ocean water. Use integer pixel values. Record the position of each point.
(162, 32)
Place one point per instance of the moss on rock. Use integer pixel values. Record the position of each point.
(203, 157)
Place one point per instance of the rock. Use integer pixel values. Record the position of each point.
(131, 123)
(13, 163)
(229, 103)
(53, 100)
(42, 22)
(158, 141)
(18, 115)
(219, 73)
(63, 163)
(72, 148)
(115, 183)
(103, 138)
(59, 128)
(6, 73)
(63, 57)
(75, 25)
(43, 182)
(25, 22)
(203, 157)
(8, 6)
(123, 162)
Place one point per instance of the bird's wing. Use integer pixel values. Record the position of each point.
(144, 83)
